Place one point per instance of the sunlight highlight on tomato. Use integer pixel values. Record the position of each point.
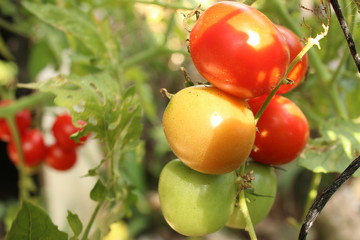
(238, 49)
(209, 130)
(283, 131)
(298, 72)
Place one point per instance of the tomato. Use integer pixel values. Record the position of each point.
(60, 158)
(193, 203)
(63, 128)
(210, 131)
(297, 74)
(22, 120)
(238, 49)
(33, 148)
(260, 198)
(283, 131)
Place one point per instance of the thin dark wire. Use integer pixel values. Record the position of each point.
(325, 196)
(348, 36)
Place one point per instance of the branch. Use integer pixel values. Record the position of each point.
(348, 36)
(325, 196)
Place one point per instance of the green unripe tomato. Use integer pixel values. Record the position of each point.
(260, 198)
(194, 203)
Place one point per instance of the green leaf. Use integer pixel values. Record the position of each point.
(4, 51)
(70, 21)
(97, 100)
(99, 192)
(75, 223)
(33, 223)
(338, 145)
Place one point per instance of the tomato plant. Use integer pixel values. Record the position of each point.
(215, 135)
(283, 131)
(298, 72)
(193, 203)
(260, 197)
(60, 158)
(238, 49)
(62, 130)
(80, 56)
(33, 148)
(22, 119)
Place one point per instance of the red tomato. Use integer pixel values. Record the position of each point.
(283, 131)
(22, 119)
(33, 148)
(62, 129)
(60, 158)
(238, 49)
(298, 72)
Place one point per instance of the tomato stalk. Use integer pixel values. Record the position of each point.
(312, 193)
(249, 2)
(162, 4)
(310, 43)
(148, 54)
(25, 102)
(322, 72)
(91, 221)
(23, 189)
(244, 209)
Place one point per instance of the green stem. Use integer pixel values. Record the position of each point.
(91, 221)
(148, 54)
(320, 68)
(310, 43)
(23, 190)
(245, 211)
(312, 194)
(322, 72)
(249, 2)
(336, 100)
(340, 69)
(12, 28)
(170, 25)
(164, 5)
(25, 103)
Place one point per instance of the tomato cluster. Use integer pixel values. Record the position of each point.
(212, 129)
(60, 156)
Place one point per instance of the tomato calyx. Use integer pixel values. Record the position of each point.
(245, 180)
(287, 81)
(195, 12)
(165, 93)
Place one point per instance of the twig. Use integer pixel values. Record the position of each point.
(345, 28)
(325, 196)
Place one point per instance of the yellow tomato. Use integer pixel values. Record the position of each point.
(209, 130)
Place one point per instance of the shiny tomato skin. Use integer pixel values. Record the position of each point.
(193, 203)
(62, 129)
(33, 148)
(22, 119)
(260, 197)
(59, 158)
(238, 49)
(210, 131)
(283, 131)
(298, 73)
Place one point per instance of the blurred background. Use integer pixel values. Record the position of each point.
(152, 40)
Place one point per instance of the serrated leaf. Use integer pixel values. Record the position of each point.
(33, 223)
(75, 223)
(69, 21)
(338, 145)
(97, 100)
(99, 192)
